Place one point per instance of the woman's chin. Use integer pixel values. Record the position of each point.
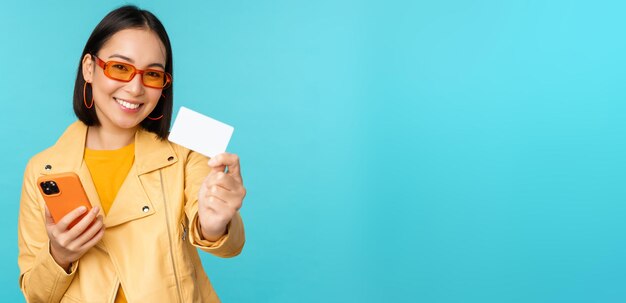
(127, 124)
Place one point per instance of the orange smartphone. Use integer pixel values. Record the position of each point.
(63, 193)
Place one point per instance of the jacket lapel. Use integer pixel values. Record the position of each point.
(68, 157)
(132, 201)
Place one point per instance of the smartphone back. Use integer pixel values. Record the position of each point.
(63, 193)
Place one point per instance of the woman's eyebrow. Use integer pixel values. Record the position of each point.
(133, 62)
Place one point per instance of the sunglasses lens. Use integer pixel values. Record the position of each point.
(154, 78)
(120, 71)
(125, 72)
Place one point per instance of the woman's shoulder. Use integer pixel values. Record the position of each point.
(72, 137)
(185, 153)
(37, 163)
(151, 150)
(41, 156)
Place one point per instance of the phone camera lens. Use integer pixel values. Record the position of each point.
(49, 187)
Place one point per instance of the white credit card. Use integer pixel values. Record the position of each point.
(200, 133)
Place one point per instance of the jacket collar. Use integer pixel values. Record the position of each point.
(151, 153)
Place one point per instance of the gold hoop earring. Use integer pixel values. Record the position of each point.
(85, 96)
(159, 117)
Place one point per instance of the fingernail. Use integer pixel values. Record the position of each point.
(95, 210)
(212, 161)
(82, 209)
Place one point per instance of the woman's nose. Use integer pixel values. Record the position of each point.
(135, 86)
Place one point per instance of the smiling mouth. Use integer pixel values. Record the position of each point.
(127, 104)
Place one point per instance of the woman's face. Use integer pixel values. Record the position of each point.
(123, 105)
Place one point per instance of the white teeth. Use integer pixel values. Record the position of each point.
(126, 104)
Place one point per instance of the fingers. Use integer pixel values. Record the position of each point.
(84, 223)
(232, 198)
(218, 168)
(226, 182)
(229, 160)
(67, 246)
(91, 232)
(222, 179)
(94, 240)
(220, 185)
(220, 208)
(70, 217)
(49, 219)
(221, 195)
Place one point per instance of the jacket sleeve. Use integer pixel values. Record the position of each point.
(229, 245)
(41, 278)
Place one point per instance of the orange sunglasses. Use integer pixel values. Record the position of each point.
(125, 72)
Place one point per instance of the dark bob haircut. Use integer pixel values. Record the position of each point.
(126, 17)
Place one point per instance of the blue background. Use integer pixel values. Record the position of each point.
(398, 151)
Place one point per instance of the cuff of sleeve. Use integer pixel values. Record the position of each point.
(45, 258)
(228, 246)
(51, 276)
(195, 236)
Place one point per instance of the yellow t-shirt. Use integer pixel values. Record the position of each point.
(108, 169)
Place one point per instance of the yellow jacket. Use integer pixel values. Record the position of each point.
(149, 245)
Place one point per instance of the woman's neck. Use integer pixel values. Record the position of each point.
(101, 138)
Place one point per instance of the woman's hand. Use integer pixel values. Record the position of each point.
(220, 196)
(68, 245)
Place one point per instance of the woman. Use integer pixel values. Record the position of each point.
(153, 201)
